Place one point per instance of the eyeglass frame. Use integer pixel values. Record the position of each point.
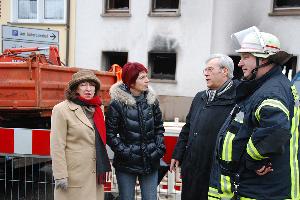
(210, 69)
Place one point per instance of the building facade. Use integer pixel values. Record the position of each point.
(39, 15)
(174, 37)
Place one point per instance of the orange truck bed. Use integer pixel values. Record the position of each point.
(32, 88)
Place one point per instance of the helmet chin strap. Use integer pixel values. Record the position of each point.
(254, 71)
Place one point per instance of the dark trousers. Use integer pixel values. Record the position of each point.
(127, 183)
(194, 186)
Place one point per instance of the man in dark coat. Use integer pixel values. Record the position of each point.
(196, 142)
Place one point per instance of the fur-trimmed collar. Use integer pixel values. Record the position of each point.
(119, 92)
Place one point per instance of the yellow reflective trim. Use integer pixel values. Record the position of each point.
(273, 103)
(213, 192)
(225, 197)
(227, 147)
(246, 198)
(230, 147)
(294, 146)
(226, 187)
(253, 152)
(295, 93)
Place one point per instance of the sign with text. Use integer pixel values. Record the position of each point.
(18, 37)
(29, 34)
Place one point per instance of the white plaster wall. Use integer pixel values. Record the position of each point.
(137, 35)
(234, 15)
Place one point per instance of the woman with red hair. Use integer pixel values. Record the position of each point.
(135, 133)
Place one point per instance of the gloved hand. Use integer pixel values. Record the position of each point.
(61, 183)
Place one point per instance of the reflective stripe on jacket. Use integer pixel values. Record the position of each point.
(268, 134)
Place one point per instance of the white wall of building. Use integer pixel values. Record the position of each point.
(204, 27)
(189, 34)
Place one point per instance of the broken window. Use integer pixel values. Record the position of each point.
(237, 72)
(165, 6)
(117, 6)
(163, 65)
(289, 69)
(112, 57)
(286, 3)
(286, 7)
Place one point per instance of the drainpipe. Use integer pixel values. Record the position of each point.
(68, 32)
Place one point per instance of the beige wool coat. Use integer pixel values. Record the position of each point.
(73, 153)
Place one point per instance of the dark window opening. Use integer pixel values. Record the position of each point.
(165, 4)
(163, 65)
(237, 72)
(289, 69)
(117, 5)
(112, 57)
(285, 7)
(286, 3)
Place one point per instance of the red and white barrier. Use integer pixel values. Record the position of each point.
(36, 142)
(25, 141)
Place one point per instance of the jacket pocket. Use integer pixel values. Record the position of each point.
(74, 168)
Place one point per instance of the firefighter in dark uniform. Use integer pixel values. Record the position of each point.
(257, 151)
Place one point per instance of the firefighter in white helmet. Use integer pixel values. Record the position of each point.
(258, 145)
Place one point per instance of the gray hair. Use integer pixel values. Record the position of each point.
(224, 61)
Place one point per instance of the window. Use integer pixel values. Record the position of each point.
(286, 7)
(289, 68)
(237, 72)
(111, 57)
(162, 65)
(116, 7)
(54, 9)
(39, 11)
(165, 8)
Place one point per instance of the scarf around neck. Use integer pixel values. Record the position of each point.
(98, 115)
(102, 160)
(212, 93)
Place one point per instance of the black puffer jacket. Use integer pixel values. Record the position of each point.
(134, 130)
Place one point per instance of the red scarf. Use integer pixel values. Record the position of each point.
(98, 116)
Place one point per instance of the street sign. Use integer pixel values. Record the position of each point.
(30, 34)
(8, 44)
(18, 37)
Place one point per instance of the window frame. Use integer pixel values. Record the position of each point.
(115, 12)
(283, 11)
(106, 55)
(160, 78)
(40, 14)
(164, 12)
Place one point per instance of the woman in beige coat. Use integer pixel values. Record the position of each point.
(78, 138)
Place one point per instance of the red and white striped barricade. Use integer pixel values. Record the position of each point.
(36, 142)
(172, 181)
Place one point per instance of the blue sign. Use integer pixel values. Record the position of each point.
(15, 32)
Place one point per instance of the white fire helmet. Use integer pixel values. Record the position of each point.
(259, 44)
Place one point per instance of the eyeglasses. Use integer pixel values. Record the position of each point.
(210, 69)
